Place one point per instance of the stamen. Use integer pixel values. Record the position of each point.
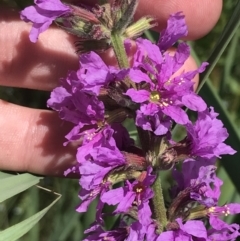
(155, 96)
(89, 136)
(219, 211)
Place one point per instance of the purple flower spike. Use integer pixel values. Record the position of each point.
(42, 15)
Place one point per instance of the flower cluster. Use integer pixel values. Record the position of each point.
(154, 92)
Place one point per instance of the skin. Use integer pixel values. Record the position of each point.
(31, 139)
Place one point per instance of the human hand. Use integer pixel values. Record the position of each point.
(30, 139)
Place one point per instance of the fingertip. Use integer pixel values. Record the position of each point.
(201, 15)
(33, 65)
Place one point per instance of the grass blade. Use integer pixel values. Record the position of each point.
(15, 184)
(224, 40)
(16, 231)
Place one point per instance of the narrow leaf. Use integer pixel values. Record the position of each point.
(15, 184)
(15, 232)
(4, 175)
(223, 42)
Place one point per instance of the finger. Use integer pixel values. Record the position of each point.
(35, 142)
(38, 66)
(201, 15)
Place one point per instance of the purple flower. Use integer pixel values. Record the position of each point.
(98, 234)
(76, 100)
(157, 92)
(200, 187)
(105, 137)
(191, 230)
(112, 138)
(201, 180)
(75, 104)
(87, 196)
(42, 15)
(137, 192)
(219, 230)
(158, 123)
(222, 231)
(124, 232)
(94, 73)
(207, 135)
(96, 160)
(100, 161)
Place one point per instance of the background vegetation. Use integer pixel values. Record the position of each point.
(62, 222)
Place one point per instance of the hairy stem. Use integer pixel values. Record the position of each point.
(121, 56)
(158, 204)
(119, 50)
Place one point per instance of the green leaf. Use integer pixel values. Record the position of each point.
(14, 184)
(16, 231)
(4, 175)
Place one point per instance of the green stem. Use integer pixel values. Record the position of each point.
(119, 50)
(158, 204)
(121, 56)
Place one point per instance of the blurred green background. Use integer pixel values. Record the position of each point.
(62, 222)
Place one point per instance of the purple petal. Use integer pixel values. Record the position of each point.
(167, 236)
(223, 231)
(234, 208)
(143, 121)
(162, 129)
(194, 102)
(151, 50)
(138, 76)
(176, 28)
(113, 196)
(191, 74)
(181, 55)
(144, 214)
(195, 228)
(177, 114)
(223, 149)
(126, 202)
(138, 96)
(42, 15)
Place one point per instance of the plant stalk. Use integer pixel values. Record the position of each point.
(158, 205)
(119, 50)
(121, 56)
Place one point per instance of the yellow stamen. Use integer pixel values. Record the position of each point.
(155, 96)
